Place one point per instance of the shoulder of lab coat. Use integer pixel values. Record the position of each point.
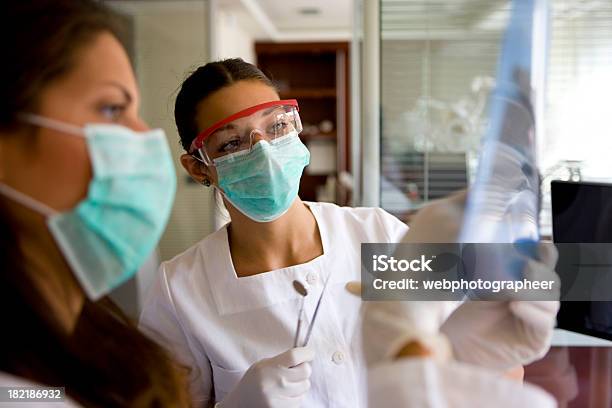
(160, 321)
(423, 383)
(10, 381)
(382, 226)
(202, 264)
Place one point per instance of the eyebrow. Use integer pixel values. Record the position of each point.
(123, 90)
(225, 127)
(231, 126)
(272, 109)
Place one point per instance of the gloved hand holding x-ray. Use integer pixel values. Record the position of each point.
(503, 334)
(497, 335)
(502, 208)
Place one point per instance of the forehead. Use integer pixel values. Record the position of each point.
(105, 59)
(231, 99)
(102, 60)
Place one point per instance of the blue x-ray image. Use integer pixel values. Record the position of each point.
(503, 202)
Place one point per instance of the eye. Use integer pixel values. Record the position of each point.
(280, 126)
(230, 145)
(113, 112)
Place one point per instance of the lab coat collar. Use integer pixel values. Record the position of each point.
(234, 295)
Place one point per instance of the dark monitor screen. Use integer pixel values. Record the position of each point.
(582, 213)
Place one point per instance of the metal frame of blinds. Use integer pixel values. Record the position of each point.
(370, 187)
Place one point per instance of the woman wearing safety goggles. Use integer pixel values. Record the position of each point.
(258, 158)
(227, 307)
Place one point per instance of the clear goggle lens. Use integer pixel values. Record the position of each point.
(240, 135)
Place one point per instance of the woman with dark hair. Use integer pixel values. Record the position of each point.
(227, 307)
(85, 192)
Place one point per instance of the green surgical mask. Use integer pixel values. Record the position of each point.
(263, 182)
(107, 237)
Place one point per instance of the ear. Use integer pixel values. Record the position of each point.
(196, 169)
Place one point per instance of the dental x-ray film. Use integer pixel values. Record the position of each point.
(503, 202)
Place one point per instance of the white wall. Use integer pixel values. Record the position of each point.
(169, 42)
(234, 39)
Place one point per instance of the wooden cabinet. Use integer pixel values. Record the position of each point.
(317, 75)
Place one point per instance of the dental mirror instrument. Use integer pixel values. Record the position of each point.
(314, 316)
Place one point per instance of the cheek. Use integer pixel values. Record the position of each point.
(62, 169)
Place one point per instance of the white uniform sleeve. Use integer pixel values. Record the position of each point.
(393, 227)
(422, 383)
(159, 320)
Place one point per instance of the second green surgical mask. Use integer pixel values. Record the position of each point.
(110, 233)
(263, 183)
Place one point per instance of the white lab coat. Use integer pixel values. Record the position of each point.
(219, 325)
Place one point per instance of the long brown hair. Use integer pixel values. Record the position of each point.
(105, 361)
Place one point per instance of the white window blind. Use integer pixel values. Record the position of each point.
(438, 61)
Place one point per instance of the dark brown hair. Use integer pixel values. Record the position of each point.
(105, 361)
(40, 39)
(203, 82)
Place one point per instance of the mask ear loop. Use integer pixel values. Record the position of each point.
(53, 124)
(203, 157)
(27, 201)
(205, 182)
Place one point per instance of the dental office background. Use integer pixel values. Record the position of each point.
(398, 116)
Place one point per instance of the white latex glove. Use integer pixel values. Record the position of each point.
(389, 326)
(439, 221)
(276, 382)
(501, 335)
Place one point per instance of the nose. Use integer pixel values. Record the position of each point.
(139, 125)
(257, 136)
